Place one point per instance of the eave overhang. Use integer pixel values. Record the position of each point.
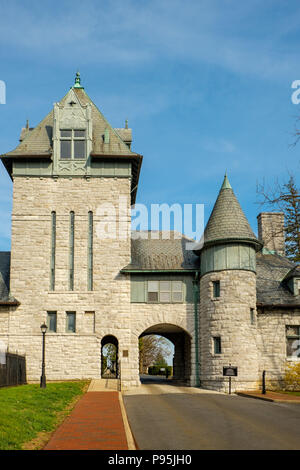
(222, 241)
(278, 306)
(160, 271)
(7, 159)
(10, 302)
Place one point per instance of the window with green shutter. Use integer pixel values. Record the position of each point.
(53, 248)
(71, 322)
(217, 345)
(71, 252)
(155, 289)
(90, 250)
(293, 341)
(51, 321)
(216, 288)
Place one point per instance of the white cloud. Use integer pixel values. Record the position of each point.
(244, 37)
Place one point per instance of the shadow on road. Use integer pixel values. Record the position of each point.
(157, 380)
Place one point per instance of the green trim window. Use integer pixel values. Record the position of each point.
(164, 291)
(52, 322)
(72, 144)
(217, 345)
(71, 252)
(293, 341)
(216, 288)
(90, 251)
(53, 248)
(70, 322)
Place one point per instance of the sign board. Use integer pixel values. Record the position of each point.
(230, 371)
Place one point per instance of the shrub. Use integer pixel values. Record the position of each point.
(155, 370)
(292, 376)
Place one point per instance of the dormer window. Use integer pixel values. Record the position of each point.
(72, 144)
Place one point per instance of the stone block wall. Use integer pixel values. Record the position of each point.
(69, 355)
(228, 317)
(272, 343)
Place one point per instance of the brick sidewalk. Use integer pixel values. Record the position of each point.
(96, 423)
(271, 396)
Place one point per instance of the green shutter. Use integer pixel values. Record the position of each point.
(71, 252)
(53, 246)
(188, 295)
(90, 251)
(137, 284)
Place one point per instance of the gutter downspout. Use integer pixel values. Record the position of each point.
(196, 300)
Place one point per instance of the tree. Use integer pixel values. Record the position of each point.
(160, 361)
(151, 348)
(286, 198)
(109, 352)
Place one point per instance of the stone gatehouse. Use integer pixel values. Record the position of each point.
(76, 267)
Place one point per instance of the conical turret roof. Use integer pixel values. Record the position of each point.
(227, 221)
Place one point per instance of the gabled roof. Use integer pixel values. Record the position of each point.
(227, 221)
(271, 272)
(294, 272)
(37, 142)
(151, 251)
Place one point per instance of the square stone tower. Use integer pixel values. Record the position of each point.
(74, 180)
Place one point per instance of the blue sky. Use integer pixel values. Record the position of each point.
(204, 84)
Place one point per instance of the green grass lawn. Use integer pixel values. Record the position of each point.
(28, 414)
(297, 394)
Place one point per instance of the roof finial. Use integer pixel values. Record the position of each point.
(126, 123)
(226, 184)
(77, 80)
(27, 124)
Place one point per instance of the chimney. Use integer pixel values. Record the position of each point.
(271, 232)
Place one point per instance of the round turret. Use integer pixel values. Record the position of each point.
(228, 296)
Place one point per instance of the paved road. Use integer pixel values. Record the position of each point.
(163, 417)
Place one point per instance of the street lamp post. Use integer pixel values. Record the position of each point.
(43, 376)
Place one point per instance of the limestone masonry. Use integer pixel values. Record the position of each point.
(74, 266)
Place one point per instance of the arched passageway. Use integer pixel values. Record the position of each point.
(182, 349)
(109, 357)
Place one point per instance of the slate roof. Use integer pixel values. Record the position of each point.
(227, 220)
(271, 286)
(160, 253)
(37, 142)
(4, 275)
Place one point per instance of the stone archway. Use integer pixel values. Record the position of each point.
(109, 357)
(182, 369)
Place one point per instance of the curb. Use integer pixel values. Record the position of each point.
(274, 400)
(129, 436)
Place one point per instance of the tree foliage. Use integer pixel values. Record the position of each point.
(151, 349)
(109, 352)
(285, 198)
(292, 376)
